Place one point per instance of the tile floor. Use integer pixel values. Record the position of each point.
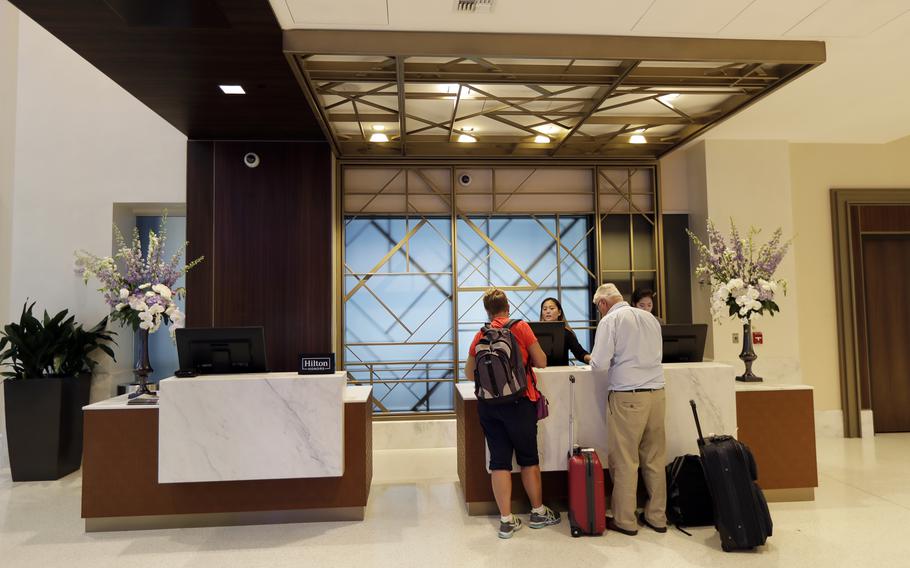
(861, 517)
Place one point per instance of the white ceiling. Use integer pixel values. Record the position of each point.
(858, 96)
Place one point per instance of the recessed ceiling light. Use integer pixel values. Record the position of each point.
(541, 139)
(546, 128)
(378, 137)
(378, 127)
(466, 139)
(669, 97)
(638, 139)
(232, 89)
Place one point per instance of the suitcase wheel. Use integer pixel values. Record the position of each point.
(576, 532)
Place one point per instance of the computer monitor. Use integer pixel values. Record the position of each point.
(684, 343)
(552, 338)
(221, 350)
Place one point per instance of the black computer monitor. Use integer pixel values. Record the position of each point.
(552, 338)
(684, 343)
(221, 350)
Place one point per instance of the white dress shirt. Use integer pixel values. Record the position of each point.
(628, 345)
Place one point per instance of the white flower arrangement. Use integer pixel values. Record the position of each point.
(740, 274)
(143, 296)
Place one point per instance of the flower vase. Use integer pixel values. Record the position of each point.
(143, 369)
(748, 356)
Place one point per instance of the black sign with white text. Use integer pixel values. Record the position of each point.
(317, 364)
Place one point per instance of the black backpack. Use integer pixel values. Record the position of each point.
(689, 502)
(500, 375)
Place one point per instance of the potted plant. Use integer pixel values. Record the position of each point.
(47, 383)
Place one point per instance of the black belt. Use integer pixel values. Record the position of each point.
(642, 390)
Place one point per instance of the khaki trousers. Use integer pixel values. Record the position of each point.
(636, 439)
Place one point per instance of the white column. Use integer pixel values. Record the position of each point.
(749, 181)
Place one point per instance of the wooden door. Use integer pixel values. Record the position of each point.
(886, 274)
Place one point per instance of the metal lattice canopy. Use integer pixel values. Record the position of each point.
(457, 95)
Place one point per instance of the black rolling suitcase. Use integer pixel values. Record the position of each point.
(740, 510)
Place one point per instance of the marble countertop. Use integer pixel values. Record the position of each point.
(255, 377)
(352, 393)
(764, 387)
(357, 393)
(117, 403)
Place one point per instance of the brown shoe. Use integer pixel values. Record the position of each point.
(611, 525)
(643, 521)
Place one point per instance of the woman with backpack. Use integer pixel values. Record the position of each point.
(499, 362)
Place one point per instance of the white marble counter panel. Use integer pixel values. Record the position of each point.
(711, 385)
(251, 426)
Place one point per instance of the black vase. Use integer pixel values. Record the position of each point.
(748, 356)
(44, 425)
(143, 369)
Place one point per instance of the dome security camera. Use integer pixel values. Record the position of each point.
(251, 159)
(464, 179)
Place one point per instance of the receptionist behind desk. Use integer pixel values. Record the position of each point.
(551, 310)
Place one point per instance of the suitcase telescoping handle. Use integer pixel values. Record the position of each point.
(701, 439)
(571, 414)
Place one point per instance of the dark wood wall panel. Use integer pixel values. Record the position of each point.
(200, 187)
(271, 245)
(884, 218)
(677, 272)
(886, 268)
(887, 218)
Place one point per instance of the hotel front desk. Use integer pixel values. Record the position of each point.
(719, 398)
(229, 449)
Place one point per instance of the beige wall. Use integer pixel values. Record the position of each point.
(816, 168)
(72, 144)
(82, 144)
(748, 181)
(9, 48)
(771, 184)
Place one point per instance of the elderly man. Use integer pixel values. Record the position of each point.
(628, 345)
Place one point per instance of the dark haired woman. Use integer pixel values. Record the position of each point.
(551, 310)
(643, 299)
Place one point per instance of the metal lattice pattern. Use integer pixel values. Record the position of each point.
(421, 245)
(385, 94)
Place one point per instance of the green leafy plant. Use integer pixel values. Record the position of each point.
(52, 346)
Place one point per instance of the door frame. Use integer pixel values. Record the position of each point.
(848, 287)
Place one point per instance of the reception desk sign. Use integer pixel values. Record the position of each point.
(316, 364)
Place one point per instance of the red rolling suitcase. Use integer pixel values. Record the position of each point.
(587, 506)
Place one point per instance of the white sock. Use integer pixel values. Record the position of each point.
(506, 519)
(539, 510)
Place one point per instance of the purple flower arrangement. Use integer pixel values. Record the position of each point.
(143, 295)
(741, 274)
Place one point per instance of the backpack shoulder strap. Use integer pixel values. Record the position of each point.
(510, 323)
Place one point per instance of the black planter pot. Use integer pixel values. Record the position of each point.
(44, 425)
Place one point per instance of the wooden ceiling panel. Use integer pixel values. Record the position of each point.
(174, 64)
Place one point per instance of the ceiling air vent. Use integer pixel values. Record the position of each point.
(473, 5)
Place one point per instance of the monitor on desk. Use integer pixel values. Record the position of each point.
(221, 350)
(684, 343)
(552, 338)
